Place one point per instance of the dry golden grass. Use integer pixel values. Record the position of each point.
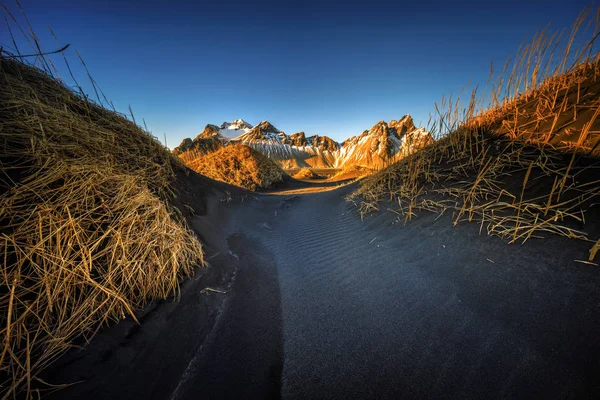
(307, 173)
(86, 235)
(353, 171)
(516, 166)
(237, 165)
(192, 149)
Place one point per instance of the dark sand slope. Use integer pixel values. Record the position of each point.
(324, 305)
(419, 311)
(176, 351)
(243, 357)
(147, 360)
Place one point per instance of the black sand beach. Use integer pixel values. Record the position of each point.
(320, 304)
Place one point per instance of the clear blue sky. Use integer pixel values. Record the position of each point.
(323, 67)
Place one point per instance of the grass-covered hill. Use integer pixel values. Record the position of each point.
(307, 173)
(88, 232)
(524, 166)
(190, 149)
(237, 165)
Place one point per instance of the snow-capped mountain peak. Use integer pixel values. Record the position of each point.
(238, 124)
(231, 130)
(384, 143)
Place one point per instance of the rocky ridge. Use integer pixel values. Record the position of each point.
(373, 148)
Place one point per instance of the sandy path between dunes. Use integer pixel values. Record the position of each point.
(374, 310)
(324, 305)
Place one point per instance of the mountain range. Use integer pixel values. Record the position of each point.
(373, 148)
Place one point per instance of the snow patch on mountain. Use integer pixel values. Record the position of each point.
(232, 130)
(238, 124)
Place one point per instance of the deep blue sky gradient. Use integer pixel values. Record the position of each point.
(326, 68)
